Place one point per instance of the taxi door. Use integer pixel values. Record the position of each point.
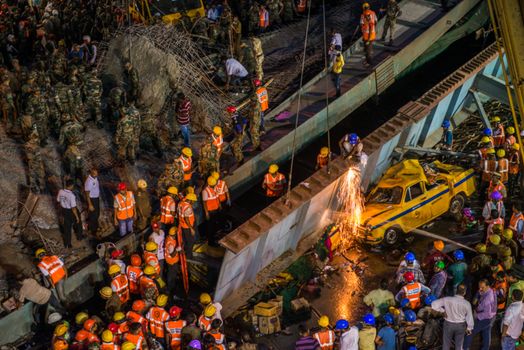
(439, 195)
(417, 211)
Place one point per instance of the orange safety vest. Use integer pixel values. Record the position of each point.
(137, 318)
(174, 328)
(274, 184)
(322, 161)
(133, 274)
(514, 163)
(263, 18)
(186, 167)
(263, 98)
(498, 136)
(185, 210)
(483, 153)
(120, 286)
(152, 259)
(489, 166)
(498, 187)
(510, 141)
(109, 346)
(412, 292)
(368, 23)
(514, 221)
(301, 6)
(218, 142)
(136, 339)
(212, 203)
(126, 206)
(167, 210)
(54, 267)
(123, 327)
(326, 339)
(145, 283)
(219, 340)
(502, 168)
(221, 190)
(204, 323)
(498, 286)
(170, 242)
(157, 316)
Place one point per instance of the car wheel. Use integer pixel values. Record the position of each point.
(457, 204)
(391, 236)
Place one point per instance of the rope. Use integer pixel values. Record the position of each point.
(298, 103)
(326, 86)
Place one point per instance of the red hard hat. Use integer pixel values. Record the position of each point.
(231, 109)
(138, 305)
(81, 335)
(257, 82)
(155, 225)
(175, 311)
(409, 276)
(113, 327)
(122, 186)
(117, 253)
(136, 260)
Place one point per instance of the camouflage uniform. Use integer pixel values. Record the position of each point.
(57, 72)
(36, 171)
(78, 104)
(73, 162)
(27, 127)
(274, 8)
(288, 13)
(239, 126)
(151, 136)
(235, 34)
(173, 175)
(247, 58)
(64, 99)
(132, 83)
(214, 33)
(116, 102)
(7, 103)
(256, 44)
(128, 134)
(93, 97)
(37, 108)
(71, 132)
(254, 122)
(253, 17)
(392, 13)
(54, 114)
(225, 21)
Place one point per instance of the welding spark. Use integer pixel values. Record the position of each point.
(352, 206)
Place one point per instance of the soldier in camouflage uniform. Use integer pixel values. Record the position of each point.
(64, 99)
(36, 171)
(117, 99)
(200, 28)
(225, 22)
(173, 175)
(256, 44)
(254, 122)
(253, 18)
(93, 97)
(392, 13)
(235, 34)
(214, 33)
(74, 163)
(36, 107)
(132, 82)
(288, 13)
(151, 136)
(27, 126)
(275, 7)
(57, 71)
(127, 134)
(7, 102)
(71, 132)
(247, 58)
(54, 122)
(239, 127)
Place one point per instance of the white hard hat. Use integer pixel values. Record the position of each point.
(53, 318)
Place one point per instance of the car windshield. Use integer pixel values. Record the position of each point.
(386, 195)
(166, 7)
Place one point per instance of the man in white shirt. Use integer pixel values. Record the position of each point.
(235, 72)
(348, 336)
(458, 318)
(70, 214)
(92, 193)
(158, 236)
(513, 321)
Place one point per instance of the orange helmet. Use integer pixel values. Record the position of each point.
(136, 260)
(81, 335)
(138, 305)
(89, 324)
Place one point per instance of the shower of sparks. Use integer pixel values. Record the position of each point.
(352, 206)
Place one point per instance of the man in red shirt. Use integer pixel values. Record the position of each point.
(183, 116)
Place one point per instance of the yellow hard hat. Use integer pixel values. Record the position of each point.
(494, 239)
(205, 299)
(107, 336)
(507, 234)
(210, 310)
(323, 321)
(128, 346)
(394, 311)
(81, 317)
(39, 251)
(151, 246)
(172, 190)
(490, 151)
(217, 130)
(211, 181)
(149, 270)
(481, 248)
(438, 245)
(215, 174)
(516, 146)
(106, 292)
(496, 119)
(142, 184)
(365, 5)
(324, 151)
(485, 139)
(191, 197)
(187, 152)
(118, 316)
(506, 251)
(510, 130)
(190, 189)
(161, 300)
(61, 329)
(113, 269)
(501, 153)
(273, 168)
(172, 231)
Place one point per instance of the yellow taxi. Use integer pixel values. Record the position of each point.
(411, 194)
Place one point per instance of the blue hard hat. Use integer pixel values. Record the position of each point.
(410, 315)
(487, 132)
(429, 299)
(388, 318)
(404, 302)
(458, 254)
(342, 324)
(409, 257)
(412, 347)
(446, 124)
(353, 139)
(369, 319)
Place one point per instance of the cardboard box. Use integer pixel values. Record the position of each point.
(268, 325)
(265, 309)
(299, 303)
(279, 304)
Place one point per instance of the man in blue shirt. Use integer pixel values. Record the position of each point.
(447, 136)
(386, 337)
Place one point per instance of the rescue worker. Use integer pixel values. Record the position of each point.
(119, 318)
(263, 19)
(60, 334)
(494, 203)
(186, 162)
(410, 264)
(458, 270)
(90, 328)
(485, 146)
(168, 208)
(239, 127)
(151, 257)
(143, 205)
(217, 140)
(325, 336)
(498, 132)
(132, 81)
(447, 134)
(212, 206)
(127, 135)
(205, 300)
(157, 316)
(124, 213)
(516, 222)
(134, 339)
(134, 272)
(221, 190)
(113, 302)
(496, 185)
(489, 134)
(510, 138)
(479, 265)
(174, 328)
(218, 337)
(350, 145)
(502, 166)
(204, 321)
(368, 23)
(255, 122)
(147, 284)
(263, 99)
(136, 315)
(172, 249)
(274, 182)
(368, 333)
(392, 13)
(412, 290)
(186, 219)
(256, 43)
(119, 283)
(514, 168)
(439, 279)
(336, 69)
(488, 167)
(507, 239)
(107, 341)
(53, 270)
(500, 287)
(323, 158)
